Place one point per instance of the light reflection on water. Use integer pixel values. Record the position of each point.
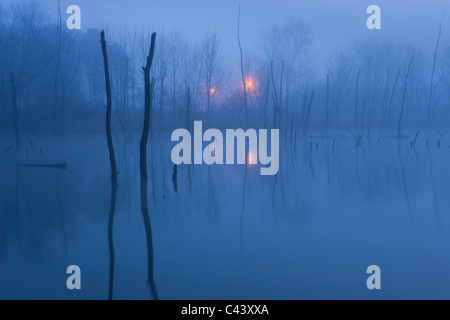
(333, 209)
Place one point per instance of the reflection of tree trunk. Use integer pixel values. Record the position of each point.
(16, 206)
(436, 207)
(16, 130)
(143, 166)
(405, 189)
(112, 161)
(16, 112)
(243, 209)
(175, 178)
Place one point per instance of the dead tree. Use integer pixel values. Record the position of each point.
(112, 161)
(357, 95)
(404, 97)
(308, 112)
(327, 106)
(242, 64)
(432, 87)
(57, 71)
(143, 165)
(274, 96)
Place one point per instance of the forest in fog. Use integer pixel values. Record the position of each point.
(358, 139)
(58, 79)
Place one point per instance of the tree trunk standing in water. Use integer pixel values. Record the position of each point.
(112, 161)
(391, 102)
(308, 112)
(16, 112)
(274, 96)
(58, 64)
(143, 165)
(430, 104)
(403, 98)
(327, 106)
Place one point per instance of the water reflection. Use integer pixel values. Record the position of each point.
(333, 193)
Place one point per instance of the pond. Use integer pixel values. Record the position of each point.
(335, 207)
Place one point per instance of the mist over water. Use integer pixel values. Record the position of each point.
(329, 214)
(363, 151)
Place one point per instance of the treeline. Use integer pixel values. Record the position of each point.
(59, 80)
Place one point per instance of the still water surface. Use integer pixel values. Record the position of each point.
(311, 231)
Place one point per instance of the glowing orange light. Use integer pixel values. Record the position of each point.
(213, 151)
(212, 91)
(250, 84)
(249, 159)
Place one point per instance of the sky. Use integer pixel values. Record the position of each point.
(333, 23)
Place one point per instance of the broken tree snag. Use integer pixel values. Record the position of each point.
(143, 166)
(16, 112)
(174, 178)
(242, 63)
(148, 96)
(112, 158)
(112, 161)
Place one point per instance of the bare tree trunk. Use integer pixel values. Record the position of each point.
(266, 101)
(308, 112)
(242, 65)
(152, 89)
(16, 112)
(327, 106)
(143, 165)
(357, 95)
(430, 97)
(391, 102)
(58, 65)
(208, 99)
(281, 85)
(403, 98)
(162, 93)
(274, 96)
(112, 161)
(304, 105)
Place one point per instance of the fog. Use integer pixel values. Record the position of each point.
(362, 117)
